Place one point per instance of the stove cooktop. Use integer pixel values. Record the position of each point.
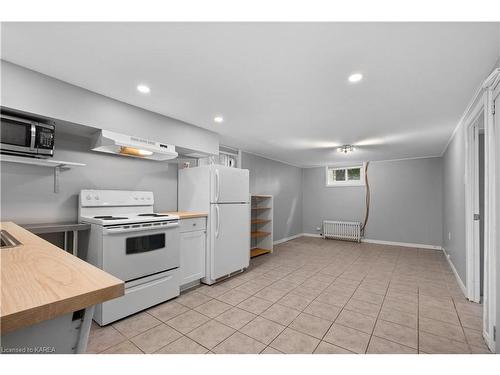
(127, 218)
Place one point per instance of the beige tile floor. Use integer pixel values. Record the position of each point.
(312, 296)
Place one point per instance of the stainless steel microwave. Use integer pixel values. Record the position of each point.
(24, 137)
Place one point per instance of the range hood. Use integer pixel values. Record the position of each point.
(126, 145)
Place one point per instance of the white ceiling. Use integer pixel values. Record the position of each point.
(281, 87)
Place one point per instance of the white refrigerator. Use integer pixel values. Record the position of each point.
(224, 193)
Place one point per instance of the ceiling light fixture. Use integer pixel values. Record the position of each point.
(218, 119)
(143, 89)
(345, 149)
(355, 77)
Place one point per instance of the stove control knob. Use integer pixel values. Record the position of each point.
(142, 198)
(136, 198)
(88, 197)
(96, 197)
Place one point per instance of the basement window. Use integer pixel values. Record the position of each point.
(345, 176)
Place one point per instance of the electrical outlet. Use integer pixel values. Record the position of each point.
(449, 236)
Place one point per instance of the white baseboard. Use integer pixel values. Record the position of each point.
(405, 244)
(311, 235)
(452, 266)
(287, 239)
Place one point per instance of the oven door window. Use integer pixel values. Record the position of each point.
(15, 133)
(142, 244)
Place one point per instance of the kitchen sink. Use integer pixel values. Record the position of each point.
(7, 240)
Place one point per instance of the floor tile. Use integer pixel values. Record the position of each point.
(433, 344)
(439, 314)
(438, 328)
(295, 301)
(235, 318)
(255, 305)
(213, 291)
(238, 343)
(280, 314)
(471, 321)
(135, 324)
(363, 307)
(167, 310)
(368, 297)
(211, 333)
(155, 338)
(311, 325)
(188, 321)
(269, 350)
(347, 338)
(213, 308)
(475, 338)
(353, 319)
(262, 330)
(327, 348)
(192, 299)
(183, 345)
(126, 347)
(104, 338)
(294, 342)
(271, 294)
(397, 333)
(333, 298)
(233, 297)
(323, 310)
(399, 317)
(379, 345)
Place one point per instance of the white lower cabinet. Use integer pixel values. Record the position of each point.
(192, 261)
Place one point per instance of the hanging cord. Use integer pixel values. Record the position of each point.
(367, 200)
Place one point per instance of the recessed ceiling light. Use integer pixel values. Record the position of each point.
(143, 89)
(355, 77)
(218, 119)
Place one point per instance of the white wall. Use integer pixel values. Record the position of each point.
(405, 205)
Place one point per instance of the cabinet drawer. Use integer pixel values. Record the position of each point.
(198, 223)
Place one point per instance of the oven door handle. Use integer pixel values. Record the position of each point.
(118, 230)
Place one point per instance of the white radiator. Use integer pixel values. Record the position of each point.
(342, 230)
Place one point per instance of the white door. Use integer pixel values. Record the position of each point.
(192, 265)
(229, 185)
(229, 238)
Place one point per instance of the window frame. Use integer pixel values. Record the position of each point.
(360, 182)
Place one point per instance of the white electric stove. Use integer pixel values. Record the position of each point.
(130, 241)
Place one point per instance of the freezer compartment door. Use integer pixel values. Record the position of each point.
(229, 238)
(229, 185)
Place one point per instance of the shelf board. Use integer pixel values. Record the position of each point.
(40, 162)
(259, 233)
(260, 208)
(261, 196)
(259, 221)
(258, 251)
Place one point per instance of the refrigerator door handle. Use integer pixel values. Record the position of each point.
(217, 185)
(217, 223)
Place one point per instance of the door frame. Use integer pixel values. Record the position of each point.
(484, 101)
(473, 272)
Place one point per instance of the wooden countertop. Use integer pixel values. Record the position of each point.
(40, 281)
(187, 214)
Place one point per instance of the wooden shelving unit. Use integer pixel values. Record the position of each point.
(261, 225)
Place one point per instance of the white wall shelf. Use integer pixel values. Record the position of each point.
(261, 225)
(57, 165)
